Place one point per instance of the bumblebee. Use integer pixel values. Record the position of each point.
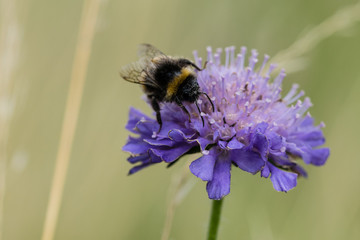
(165, 79)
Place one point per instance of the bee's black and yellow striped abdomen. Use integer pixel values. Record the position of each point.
(175, 83)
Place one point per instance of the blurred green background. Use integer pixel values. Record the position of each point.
(100, 201)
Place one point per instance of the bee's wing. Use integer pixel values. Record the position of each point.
(148, 51)
(136, 73)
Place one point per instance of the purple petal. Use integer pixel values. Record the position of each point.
(282, 160)
(140, 158)
(277, 154)
(134, 117)
(147, 128)
(198, 126)
(203, 142)
(317, 157)
(166, 128)
(219, 186)
(149, 159)
(203, 167)
(173, 113)
(222, 144)
(159, 142)
(216, 135)
(307, 133)
(261, 127)
(282, 181)
(171, 154)
(247, 160)
(299, 170)
(242, 133)
(261, 143)
(265, 172)
(276, 141)
(308, 121)
(138, 168)
(178, 136)
(135, 146)
(313, 138)
(234, 144)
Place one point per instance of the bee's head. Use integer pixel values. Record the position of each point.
(189, 91)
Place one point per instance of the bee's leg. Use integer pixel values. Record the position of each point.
(212, 104)
(184, 109)
(155, 105)
(202, 119)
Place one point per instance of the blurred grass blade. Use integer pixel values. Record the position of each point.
(180, 186)
(9, 54)
(341, 20)
(82, 53)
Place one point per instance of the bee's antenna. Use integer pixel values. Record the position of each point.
(212, 104)
(197, 68)
(205, 64)
(202, 119)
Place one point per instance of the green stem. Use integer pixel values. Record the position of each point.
(214, 219)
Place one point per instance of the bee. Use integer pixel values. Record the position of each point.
(165, 79)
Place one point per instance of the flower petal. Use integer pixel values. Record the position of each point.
(159, 142)
(282, 181)
(203, 142)
(276, 142)
(265, 172)
(247, 160)
(134, 117)
(261, 143)
(146, 128)
(317, 157)
(138, 168)
(261, 127)
(203, 167)
(299, 170)
(308, 121)
(173, 153)
(146, 160)
(135, 146)
(141, 158)
(178, 136)
(235, 144)
(313, 138)
(219, 186)
(222, 144)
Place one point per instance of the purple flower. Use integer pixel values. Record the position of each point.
(253, 127)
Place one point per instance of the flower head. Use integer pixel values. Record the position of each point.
(253, 127)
